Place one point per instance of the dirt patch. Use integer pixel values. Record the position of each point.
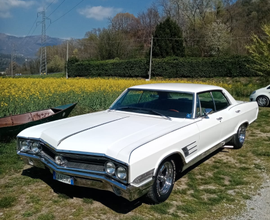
(258, 207)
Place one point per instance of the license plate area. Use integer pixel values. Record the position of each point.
(63, 178)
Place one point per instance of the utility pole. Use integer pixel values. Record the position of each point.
(43, 55)
(67, 62)
(12, 62)
(150, 64)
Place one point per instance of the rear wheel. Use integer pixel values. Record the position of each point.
(163, 183)
(239, 138)
(262, 101)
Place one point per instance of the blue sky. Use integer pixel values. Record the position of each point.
(68, 18)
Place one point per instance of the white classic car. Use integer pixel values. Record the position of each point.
(262, 96)
(136, 146)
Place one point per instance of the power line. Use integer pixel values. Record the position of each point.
(64, 13)
(22, 42)
(67, 12)
(32, 27)
(57, 7)
(50, 4)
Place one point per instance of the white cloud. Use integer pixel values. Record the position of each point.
(7, 5)
(5, 14)
(99, 12)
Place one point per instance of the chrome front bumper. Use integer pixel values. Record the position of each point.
(102, 182)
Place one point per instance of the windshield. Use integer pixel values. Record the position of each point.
(167, 104)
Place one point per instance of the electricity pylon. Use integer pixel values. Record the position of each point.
(43, 55)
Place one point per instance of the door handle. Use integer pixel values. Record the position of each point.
(219, 118)
(237, 111)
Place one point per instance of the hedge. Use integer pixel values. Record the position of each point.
(172, 67)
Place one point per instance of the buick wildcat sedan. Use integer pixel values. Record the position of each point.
(136, 147)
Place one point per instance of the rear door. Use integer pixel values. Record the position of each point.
(210, 125)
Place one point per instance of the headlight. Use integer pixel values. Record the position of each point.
(253, 92)
(121, 173)
(35, 148)
(29, 146)
(24, 146)
(110, 168)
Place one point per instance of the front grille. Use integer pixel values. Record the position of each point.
(76, 161)
(80, 165)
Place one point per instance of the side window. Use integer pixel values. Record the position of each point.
(206, 101)
(220, 100)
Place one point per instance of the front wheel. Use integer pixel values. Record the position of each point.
(163, 183)
(262, 101)
(239, 138)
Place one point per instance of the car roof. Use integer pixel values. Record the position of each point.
(183, 87)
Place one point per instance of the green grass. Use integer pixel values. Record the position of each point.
(9, 160)
(52, 75)
(161, 208)
(7, 201)
(47, 216)
(217, 188)
(88, 201)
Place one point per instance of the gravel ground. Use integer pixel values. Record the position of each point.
(258, 208)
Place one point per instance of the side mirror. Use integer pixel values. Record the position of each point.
(207, 111)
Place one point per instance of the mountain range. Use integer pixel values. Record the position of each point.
(25, 46)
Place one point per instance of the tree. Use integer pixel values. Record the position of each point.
(148, 22)
(260, 52)
(168, 40)
(192, 16)
(34, 66)
(88, 46)
(217, 38)
(124, 22)
(57, 64)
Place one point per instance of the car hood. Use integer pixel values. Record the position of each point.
(114, 134)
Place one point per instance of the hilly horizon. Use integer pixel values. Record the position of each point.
(25, 46)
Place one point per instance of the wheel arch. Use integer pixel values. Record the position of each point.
(246, 123)
(263, 94)
(178, 159)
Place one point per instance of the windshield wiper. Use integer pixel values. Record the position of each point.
(143, 109)
(157, 113)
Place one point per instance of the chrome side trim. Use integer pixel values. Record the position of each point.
(203, 155)
(188, 149)
(144, 177)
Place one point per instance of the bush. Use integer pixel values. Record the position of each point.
(172, 67)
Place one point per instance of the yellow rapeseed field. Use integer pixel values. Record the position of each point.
(20, 95)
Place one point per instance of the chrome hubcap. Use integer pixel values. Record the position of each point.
(242, 134)
(165, 178)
